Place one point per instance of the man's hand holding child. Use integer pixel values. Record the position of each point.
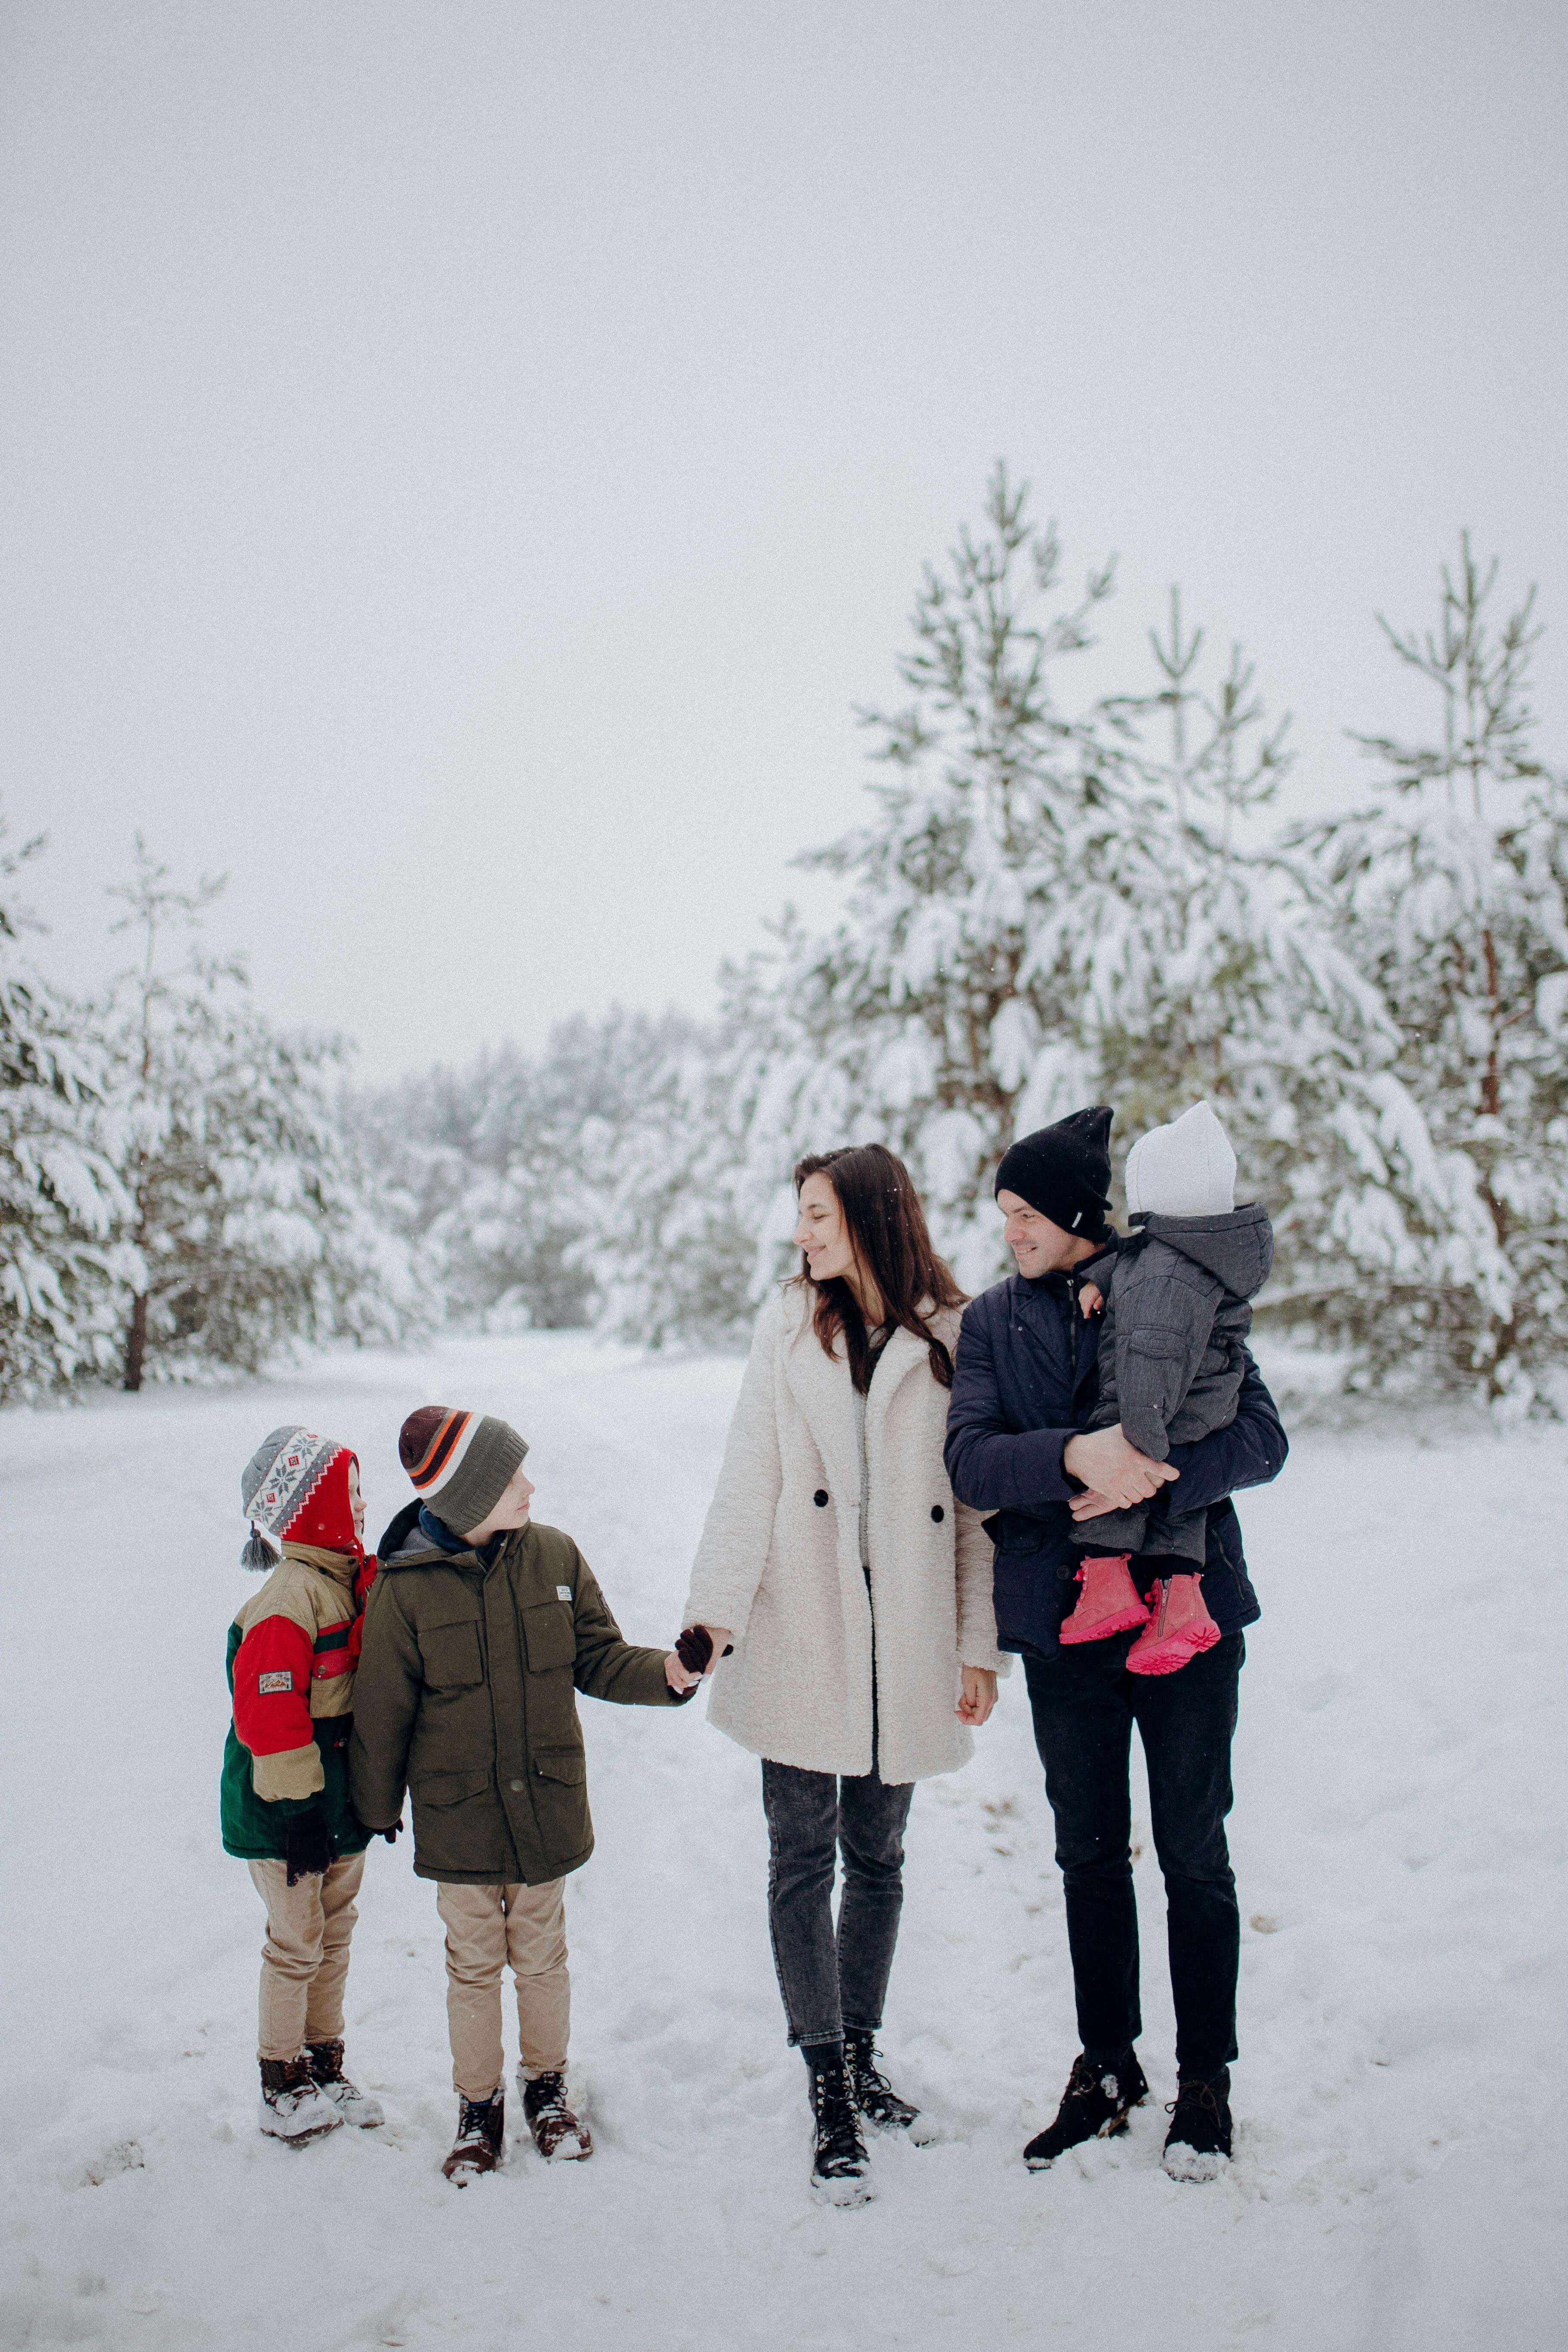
(1113, 1471)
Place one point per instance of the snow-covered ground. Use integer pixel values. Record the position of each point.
(1399, 1840)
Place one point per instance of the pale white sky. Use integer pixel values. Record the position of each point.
(465, 461)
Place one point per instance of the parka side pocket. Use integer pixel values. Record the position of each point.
(559, 1789)
(443, 1788)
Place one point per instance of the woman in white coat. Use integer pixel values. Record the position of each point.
(848, 1600)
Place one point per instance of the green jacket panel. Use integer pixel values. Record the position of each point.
(465, 1697)
(254, 1828)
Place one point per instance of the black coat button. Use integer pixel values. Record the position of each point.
(937, 1513)
(820, 1499)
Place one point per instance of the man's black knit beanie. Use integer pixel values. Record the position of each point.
(1064, 1172)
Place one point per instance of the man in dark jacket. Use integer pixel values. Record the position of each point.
(480, 1630)
(1025, 1385)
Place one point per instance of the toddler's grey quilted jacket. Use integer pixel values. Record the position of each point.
(1173, 1343)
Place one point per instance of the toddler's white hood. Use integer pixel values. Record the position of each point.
(1185, 1169)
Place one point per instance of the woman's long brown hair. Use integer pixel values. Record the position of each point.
(892, 1241)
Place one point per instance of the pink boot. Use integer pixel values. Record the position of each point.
(1178, 1629)
(1108, 1602)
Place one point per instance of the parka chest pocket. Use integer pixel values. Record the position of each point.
(549, 1636)
(450, 1654)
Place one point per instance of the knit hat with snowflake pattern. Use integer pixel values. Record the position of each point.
(295, 1486)
(461, 1462)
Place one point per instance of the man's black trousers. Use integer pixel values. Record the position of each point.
(1085, 1705)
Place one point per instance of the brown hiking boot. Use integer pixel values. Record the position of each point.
(325, 2061)
(560, 2136)
(481, 2137)
(292, 2108)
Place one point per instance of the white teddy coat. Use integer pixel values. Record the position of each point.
(779, 1562)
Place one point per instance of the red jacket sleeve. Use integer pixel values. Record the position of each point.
(272, 1700)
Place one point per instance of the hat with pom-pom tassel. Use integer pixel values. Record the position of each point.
(295, 1487)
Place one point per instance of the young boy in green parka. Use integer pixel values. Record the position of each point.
(480, 1629)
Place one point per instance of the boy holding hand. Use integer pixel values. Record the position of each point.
(480, 1629)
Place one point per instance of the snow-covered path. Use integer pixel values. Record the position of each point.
(1399, 1840)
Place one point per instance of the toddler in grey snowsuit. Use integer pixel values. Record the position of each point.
(1172, 1356)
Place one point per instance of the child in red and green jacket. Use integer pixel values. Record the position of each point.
(286, 1807)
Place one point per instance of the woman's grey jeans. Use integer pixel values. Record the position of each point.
(830, 1981)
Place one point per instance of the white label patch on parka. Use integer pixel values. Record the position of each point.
(563, 1592)
(282, 1680)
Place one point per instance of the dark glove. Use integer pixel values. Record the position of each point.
(391, 1834)
(307, 1848)
(695, 1647)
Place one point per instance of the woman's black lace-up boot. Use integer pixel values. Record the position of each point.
(840, 2164)
(875, 2097)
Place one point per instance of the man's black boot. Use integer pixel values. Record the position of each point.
(875, 2097)
(1095, 2106)
(840, 2162)
(1198, 2145)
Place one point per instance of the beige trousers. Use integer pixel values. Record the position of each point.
(306, 1955)
(486, 1927)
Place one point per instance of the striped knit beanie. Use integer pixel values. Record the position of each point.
(461, 1462)
(296, 1486)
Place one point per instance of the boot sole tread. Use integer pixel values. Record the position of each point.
(1171, 1657)
(1122, 1622)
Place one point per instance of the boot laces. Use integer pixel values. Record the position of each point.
(324, 2061)
(834, 2103)
(293, 2084)
(838, 2141)
(1086, 2081)
(1195, 2095)
(868, 2075)
(545, 2097)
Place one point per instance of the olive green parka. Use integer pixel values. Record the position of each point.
(465, 1697)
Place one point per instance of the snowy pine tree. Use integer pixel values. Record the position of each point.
(62, 1276)
(1048, 908)
(1443, 1174)
(937, 1015)
(250, 1215)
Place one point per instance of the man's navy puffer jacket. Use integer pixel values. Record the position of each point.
(1025, 1381)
